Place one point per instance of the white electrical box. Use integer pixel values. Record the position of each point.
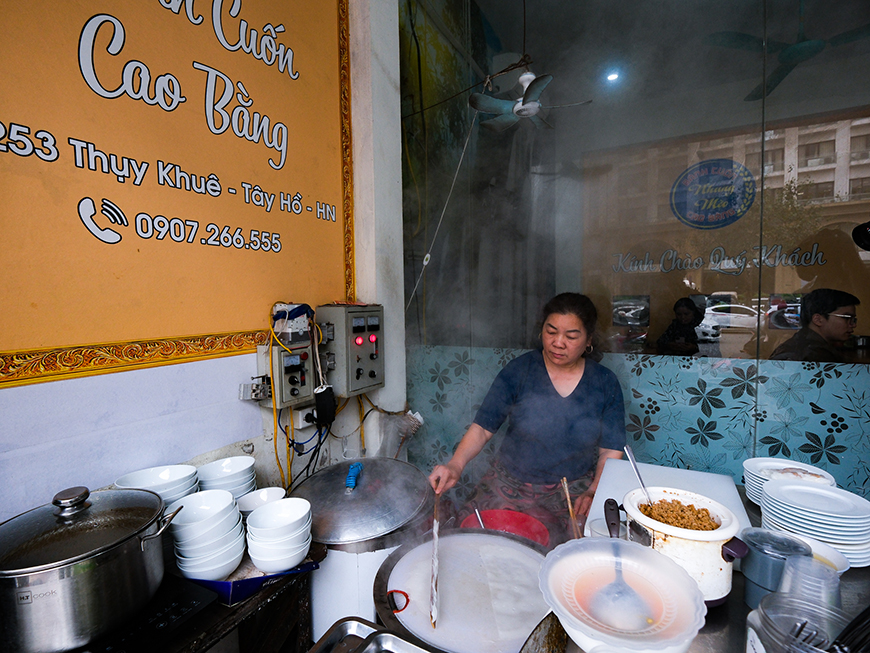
(352, 347)
(292, 374)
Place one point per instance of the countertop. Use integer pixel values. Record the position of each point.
(725, 627)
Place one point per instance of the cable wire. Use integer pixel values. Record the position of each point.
(428, 255)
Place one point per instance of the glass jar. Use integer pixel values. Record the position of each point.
(770, 628)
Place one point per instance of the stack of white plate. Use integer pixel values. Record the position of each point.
(253, 500)
(235, 475)
(279, 534)
(836, 517)
(209, 535)
(758, 471)
(171, 482)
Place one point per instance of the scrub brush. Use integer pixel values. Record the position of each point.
(409, 424)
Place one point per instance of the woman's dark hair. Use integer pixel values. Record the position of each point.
(571, 303)
(686, 302)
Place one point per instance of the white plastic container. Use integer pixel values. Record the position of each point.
(574, 572)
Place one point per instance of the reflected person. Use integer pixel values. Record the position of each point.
(828, 318)
(565, 415)
(680, 338)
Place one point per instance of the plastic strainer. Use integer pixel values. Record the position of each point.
(573, 572)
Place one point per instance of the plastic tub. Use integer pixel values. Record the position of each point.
(573, 572)
(510, 521)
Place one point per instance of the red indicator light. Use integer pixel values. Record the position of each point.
(373, 338)
(359, 340)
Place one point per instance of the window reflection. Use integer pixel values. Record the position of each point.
(589, 204)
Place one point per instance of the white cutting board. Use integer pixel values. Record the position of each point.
(618, 479)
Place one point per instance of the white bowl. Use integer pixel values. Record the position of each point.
(227, 484)
(227, 469)
(826, 553)
(277, 565)
(268, 551)
(301, 533)
(218, 572)
(253, 500)
(242, 490)
(157, 479)
(200, 511)
(211, 558)
(280, 518)
(283, 544)
(229, 522)
(175, 496)
(218, 542)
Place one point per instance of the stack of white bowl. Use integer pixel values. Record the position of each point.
(235, 475)
(253, 500)
(279, 534)
(171, 482)
(209, 535)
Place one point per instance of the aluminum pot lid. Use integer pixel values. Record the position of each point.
(774, 543)
(78, 524)
(388, 493)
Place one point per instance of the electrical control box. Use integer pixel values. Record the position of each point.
(352, 348)
(292, 374)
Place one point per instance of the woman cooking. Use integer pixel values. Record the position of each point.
(567, 417)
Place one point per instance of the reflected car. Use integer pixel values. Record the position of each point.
(785, 317)
(708, 331)
(631, 315)
(733, 316)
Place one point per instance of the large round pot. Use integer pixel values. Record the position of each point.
(488, 591)
(78, 567)
(706, 555)
(361, 510)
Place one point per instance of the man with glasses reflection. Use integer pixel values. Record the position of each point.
(828, 318)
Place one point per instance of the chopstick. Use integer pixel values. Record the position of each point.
(575, 529)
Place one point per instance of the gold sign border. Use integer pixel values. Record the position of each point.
(37, 366)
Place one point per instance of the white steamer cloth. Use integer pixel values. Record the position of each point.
(489, 600)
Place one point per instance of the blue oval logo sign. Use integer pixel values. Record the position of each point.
(713, 194)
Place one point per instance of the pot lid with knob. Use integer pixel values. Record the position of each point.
(386, 494)
(78, 524)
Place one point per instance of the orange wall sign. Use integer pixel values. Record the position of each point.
(168, 169)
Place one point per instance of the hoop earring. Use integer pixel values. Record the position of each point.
(589, 349)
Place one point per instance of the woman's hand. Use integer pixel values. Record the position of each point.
(583, 503)
(444, 477)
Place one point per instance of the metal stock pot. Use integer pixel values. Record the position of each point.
(78, 567)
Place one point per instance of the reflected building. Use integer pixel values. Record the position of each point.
(812, 186)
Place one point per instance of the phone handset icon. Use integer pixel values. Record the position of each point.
(87, 211)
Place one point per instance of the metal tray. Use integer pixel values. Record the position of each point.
(386, 642)
(345, 636)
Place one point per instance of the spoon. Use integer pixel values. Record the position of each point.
(631, 459)
(618, 605)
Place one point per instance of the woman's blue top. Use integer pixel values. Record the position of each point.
(550, 436)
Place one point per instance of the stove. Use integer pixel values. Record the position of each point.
(175, 601)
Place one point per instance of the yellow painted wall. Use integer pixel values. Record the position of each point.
(61, 284)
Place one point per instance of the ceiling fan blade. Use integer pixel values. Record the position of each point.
(540, 123)
(489, 104)
(500, 123)
(800, 52)
(534, 90)
(741, 41)
(852, 35)
(779, 73)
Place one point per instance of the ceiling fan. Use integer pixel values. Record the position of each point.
(508, 112)
(790, 55)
